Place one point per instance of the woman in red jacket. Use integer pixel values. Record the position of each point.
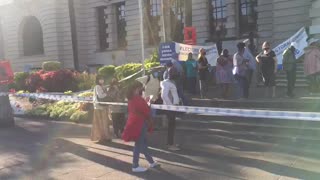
(138, 124)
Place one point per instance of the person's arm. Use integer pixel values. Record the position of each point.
(100, 92)
(174, 93)
(258, 58)
(275, 64)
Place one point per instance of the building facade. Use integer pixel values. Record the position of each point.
(89, 32)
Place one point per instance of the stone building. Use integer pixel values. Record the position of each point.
(88, 32)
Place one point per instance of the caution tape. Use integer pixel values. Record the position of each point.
(250, 113)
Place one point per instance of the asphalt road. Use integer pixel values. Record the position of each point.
(53, 150)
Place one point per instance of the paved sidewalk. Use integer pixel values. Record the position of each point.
(51, 150)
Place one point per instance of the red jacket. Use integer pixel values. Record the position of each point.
(138, 112)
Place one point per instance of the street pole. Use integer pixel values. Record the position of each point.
(142, 35)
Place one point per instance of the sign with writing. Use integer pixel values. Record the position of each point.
(169, 51)
(190, 35)
(300, 38)
(6, 73)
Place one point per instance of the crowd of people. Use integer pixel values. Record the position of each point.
(168, 89)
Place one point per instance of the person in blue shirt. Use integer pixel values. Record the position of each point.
(191, 73)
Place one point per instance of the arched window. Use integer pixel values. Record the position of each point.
(32, 37)
(248, 16)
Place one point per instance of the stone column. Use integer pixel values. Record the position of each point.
(232, 24)
(315, 19)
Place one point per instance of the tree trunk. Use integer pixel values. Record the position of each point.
(6, 115)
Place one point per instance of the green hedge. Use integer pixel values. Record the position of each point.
(51, 65)
(19, 81)
(127, 70)
(107, 71)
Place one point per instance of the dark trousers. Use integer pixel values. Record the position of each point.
(118, 122)
(171, 127)
(250, 75)
(192, 84)
(291, 78)
(244, 85)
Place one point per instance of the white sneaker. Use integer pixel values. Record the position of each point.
(173, 148)
(154, 165)
(139, 169)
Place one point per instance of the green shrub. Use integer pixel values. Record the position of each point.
(85, 81)
(153, 58)
(86, 94)
(151, 65)
(19, 81)
(107, 71)
(79, 116)
(51, 66)
(127, 70)
(39, 111)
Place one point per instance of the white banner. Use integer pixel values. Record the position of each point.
(182, 50)
(300, 38)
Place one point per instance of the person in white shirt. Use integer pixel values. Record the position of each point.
(169, 95)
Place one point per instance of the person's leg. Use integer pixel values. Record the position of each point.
(288, 82)
(291, 82)
(227, 92)
(250, 73)
(171, 127)
(201, 83)
(193, 82)
(143, 145)
(136, 153)
(245, 87)
(238, 87)
(122, 122)
(294, 78)
(115, 123)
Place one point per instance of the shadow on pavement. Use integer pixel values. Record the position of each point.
(113, 163)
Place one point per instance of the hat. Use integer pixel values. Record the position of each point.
(294, 44)
(312, 40)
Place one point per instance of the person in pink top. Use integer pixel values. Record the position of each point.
(312, 64)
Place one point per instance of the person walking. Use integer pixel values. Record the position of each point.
(224, 72)
(268, 60)
(241, 65)
(137, 126)
(169, 95)
(117, 112)
(312, 64)
(191, 73)
(100, 131)
(203, 72)
(290, 66)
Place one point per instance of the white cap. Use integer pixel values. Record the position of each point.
(294, 44)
